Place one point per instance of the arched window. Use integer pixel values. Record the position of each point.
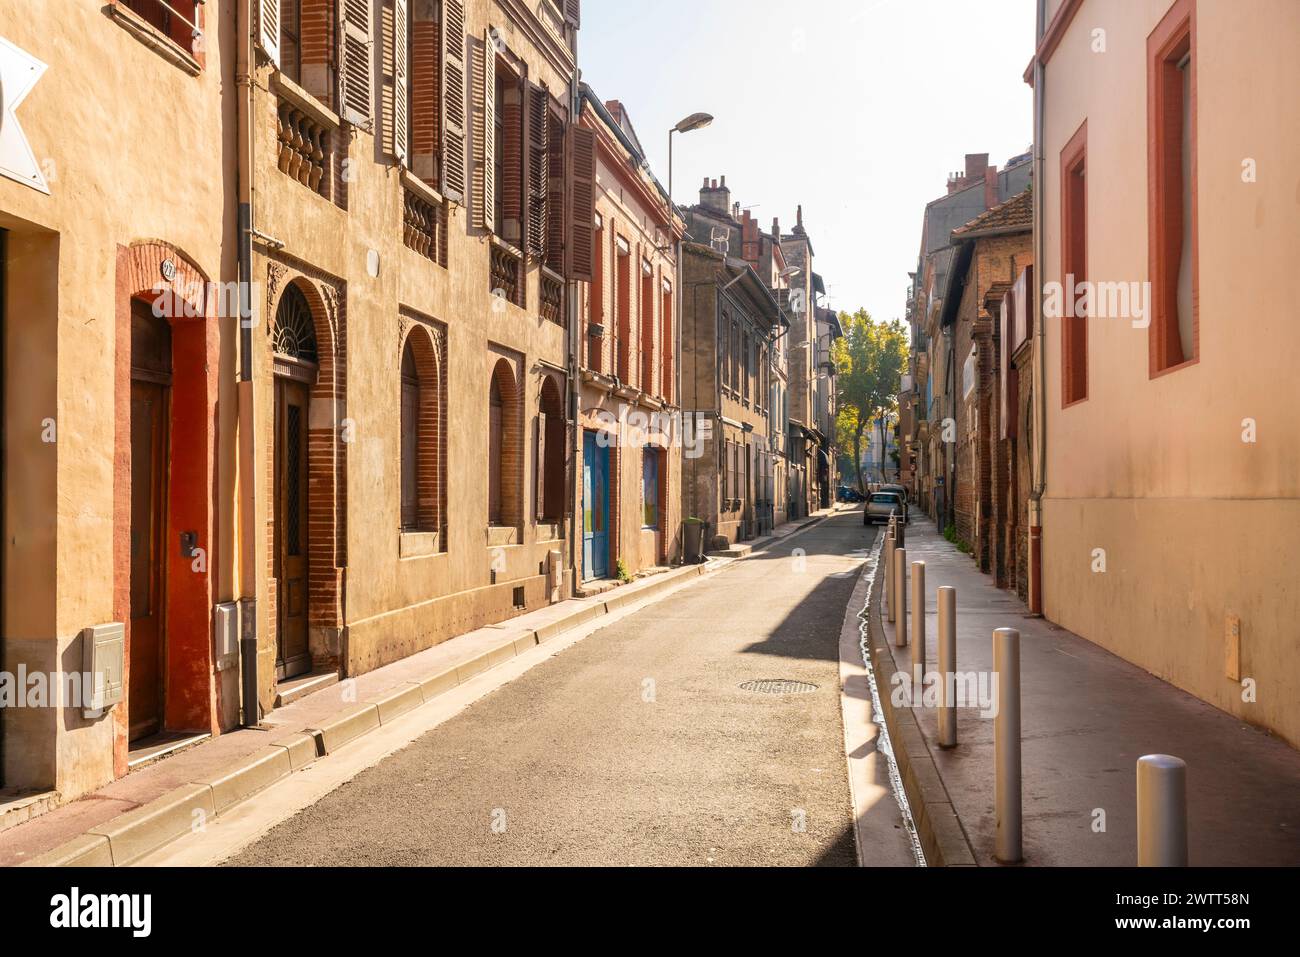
(421, 440)
(505, 448)
(550, 452)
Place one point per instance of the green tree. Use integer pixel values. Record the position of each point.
(869, 362)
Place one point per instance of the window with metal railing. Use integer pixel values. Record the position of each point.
(178, 20)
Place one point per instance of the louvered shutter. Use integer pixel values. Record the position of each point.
(555, 213)
(356, 61)
(573, 12)
(485, 102)
(582, 210)
(538, 179)
(401, 82)
(453, 100)
(540, 462)
(268, 29)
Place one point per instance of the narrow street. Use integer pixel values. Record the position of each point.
(635, 746)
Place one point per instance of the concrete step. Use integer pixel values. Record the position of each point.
(287, 692)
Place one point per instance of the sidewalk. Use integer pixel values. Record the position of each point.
(152, 805)
(1086, 717)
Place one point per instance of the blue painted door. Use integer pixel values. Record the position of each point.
(595, 508)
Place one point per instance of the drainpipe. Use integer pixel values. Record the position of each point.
(1039, 450)
(247, 496)
(575, 388)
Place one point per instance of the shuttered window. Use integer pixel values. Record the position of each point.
(582, 167)
(538, 167)
(555, 213)
(486, 135)
(397, 85)
(453, 100)
(356, 61)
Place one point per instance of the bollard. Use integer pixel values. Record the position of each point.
(887, 562)
(1162, 811)
(947, 649)
(900, 529)
(918, 622)
(900, 596)
(1006, 745)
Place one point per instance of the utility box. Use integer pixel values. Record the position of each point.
(103, 653)
(225, 634)
(555, 575)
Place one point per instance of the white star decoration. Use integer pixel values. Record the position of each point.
(19, 72)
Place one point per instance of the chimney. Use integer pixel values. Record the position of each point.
(976, 164)
(798, 220)
(990, 187)
(716, 197)
(776, 229)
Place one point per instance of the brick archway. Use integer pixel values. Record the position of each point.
(552, 436)
(175, 288)
(327, 438)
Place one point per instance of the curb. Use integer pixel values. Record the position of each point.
(130, 836)
(943, 839)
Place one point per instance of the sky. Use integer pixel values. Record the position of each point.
(858, 109)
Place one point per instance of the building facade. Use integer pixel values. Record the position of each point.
(1170, 479)
(630, 453)
(729, 318)
(304, 404)
(119, 365)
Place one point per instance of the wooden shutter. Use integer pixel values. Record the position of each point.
(538, 179)
(555, 213)
(401, 82)
(356, 62)
(541, 466)
(268, 29)
(573, 12)
(582, 210)
(485, 104)
(453, 100)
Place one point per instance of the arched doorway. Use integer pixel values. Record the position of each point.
(297, 365)
(150, 415)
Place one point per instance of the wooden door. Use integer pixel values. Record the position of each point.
(291, 535)
(151, 356)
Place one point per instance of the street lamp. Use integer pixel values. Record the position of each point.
(696, 121)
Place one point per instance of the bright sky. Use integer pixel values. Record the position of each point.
(858, 109)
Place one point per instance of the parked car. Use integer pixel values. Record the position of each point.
(847, 493)
(902, 494)
(881, 505)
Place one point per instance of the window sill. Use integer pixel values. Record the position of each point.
(420, 187)
(417, 544)
(286, 89)
(498, 535)
(1158, 373)
(155, 39)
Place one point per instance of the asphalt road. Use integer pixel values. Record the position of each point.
(636, 746)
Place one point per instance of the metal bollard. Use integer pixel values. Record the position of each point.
(887, 563)
(900, 597)
(947, 648)
(1006, 745)
(918, 622)
(1162, 811)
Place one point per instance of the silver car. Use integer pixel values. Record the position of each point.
(880, 505)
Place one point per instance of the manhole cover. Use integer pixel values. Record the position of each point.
(778, 686)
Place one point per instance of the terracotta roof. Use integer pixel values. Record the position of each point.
(1014, 215)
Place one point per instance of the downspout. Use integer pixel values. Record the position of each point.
(1039, 444)
(576, 529)
(247, 496)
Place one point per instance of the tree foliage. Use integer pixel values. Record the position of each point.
(869, 362)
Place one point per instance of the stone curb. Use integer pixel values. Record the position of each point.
(130, 836)
(942, 837)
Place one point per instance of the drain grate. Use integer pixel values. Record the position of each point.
(777, 686)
